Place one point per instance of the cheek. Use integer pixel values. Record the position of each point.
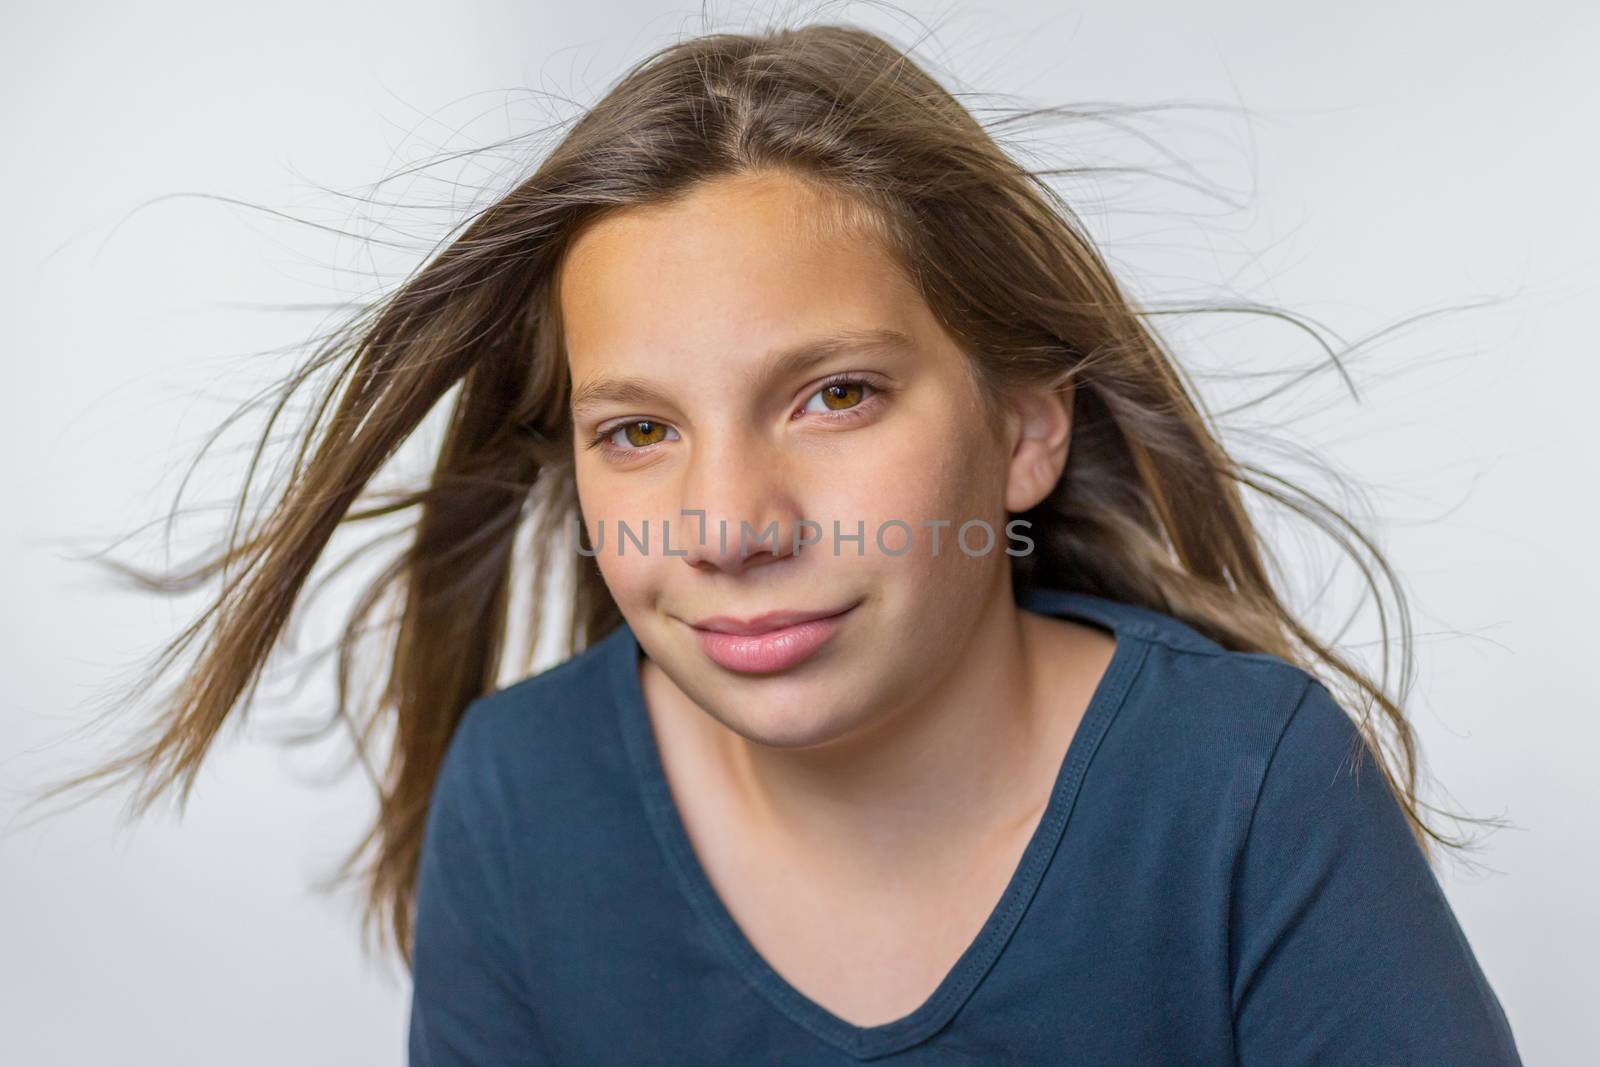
(628, 584)
(628, 576)
(913, 475)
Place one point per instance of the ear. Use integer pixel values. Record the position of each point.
(1038, 431)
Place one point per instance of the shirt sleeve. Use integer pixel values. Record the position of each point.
(1343, 947)
(469, 1005)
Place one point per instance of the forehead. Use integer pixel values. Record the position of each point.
(736, 268)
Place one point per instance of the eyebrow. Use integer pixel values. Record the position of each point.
(794, 359)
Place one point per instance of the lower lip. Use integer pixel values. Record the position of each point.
(774, 650)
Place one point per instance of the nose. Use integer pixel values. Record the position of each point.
(736, 508)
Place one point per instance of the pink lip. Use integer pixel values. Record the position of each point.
(766, 643)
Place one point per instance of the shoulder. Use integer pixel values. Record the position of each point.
(1215, 709)
(1257, 749)
(1244, 746)
(556, 698)
(1272, 734)
(552, 728)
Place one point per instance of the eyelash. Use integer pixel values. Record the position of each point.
(874, 393)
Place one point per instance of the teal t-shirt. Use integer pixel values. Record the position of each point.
(1213, 881)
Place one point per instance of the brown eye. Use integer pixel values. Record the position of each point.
(841, 395)
(643, 433)
(640, 434)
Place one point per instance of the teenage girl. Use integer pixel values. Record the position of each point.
(930, 696)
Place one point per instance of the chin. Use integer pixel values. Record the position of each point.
(786, 726)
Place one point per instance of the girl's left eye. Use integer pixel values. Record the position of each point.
(847, 393)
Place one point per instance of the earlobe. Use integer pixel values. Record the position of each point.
(1041, 431)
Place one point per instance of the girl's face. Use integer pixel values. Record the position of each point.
(729, 355)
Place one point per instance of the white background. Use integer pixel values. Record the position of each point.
(1396, 159)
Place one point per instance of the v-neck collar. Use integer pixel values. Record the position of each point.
(865, 1042)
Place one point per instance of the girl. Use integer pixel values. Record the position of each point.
(929, 696)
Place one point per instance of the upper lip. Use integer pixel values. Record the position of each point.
(765, 623)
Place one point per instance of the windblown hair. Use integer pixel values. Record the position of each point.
(1149, 510)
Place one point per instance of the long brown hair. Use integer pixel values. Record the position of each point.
(1150, 509)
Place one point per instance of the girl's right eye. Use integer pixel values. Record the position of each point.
(640, 433)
